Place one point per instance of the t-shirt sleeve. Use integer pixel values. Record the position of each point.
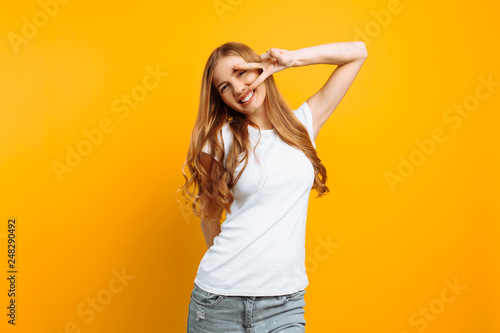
(226, 141)
(303, 113)
(207, 148)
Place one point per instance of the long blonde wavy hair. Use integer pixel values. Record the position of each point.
(209, 183)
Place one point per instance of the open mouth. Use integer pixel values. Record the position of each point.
(247, 98)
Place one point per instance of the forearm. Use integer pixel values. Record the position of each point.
(210, 230)
(333, 53)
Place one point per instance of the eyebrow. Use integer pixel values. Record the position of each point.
(234, 70)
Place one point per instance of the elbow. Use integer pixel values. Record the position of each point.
(361, 48)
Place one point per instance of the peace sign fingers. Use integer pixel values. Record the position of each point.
(248, 65)
(274, 60)
(256, 65)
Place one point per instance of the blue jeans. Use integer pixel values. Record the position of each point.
(213, 313)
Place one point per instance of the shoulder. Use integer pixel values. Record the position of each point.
(226, 131)
(304, 115)
(224, 136)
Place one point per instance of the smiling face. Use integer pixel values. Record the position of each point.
(232, 86)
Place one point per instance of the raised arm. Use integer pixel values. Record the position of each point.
(349, 56)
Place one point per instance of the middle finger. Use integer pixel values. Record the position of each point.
(248, 65)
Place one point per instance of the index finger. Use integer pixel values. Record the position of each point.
(248, 65)
(264, 75)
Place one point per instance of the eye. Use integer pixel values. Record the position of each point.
(223, 88)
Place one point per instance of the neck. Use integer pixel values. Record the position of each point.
(262, 120)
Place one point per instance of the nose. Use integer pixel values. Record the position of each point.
(239, 88)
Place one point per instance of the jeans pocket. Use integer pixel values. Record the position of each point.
(205, 298)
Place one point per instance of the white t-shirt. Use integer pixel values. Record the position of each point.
(260, 250)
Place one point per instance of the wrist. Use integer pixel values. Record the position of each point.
(296, 58)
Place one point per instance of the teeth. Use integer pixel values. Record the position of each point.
(248, 97)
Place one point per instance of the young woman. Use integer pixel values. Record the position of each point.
(255, 159)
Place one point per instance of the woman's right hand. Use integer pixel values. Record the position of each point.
(273, 61)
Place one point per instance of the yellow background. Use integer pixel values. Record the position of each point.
(396, 246)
